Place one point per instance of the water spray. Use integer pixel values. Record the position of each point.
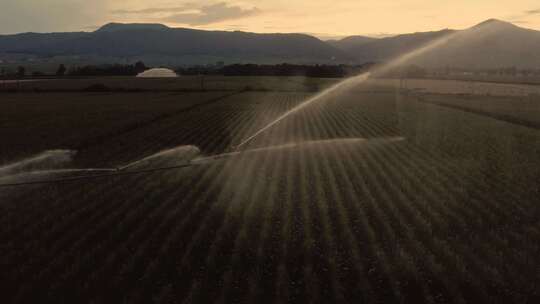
(342, 84)
(349, 82)
(182, 153)
(26, 178)
(351, 140)
(188, 153)
(45, 160)
(43, 164)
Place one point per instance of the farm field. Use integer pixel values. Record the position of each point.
(33, 123)
(368, 195)
(182, 83)
(521, 110)
(470, 87)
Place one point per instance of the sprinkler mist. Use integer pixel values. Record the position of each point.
(373, 142)
(350, 83)
(183, 154)
(47, 164)
(22, 173)
(45, 160)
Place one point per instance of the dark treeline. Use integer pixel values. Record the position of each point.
(327, 71)
(109, 70)
(336, 71)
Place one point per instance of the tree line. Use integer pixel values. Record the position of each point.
(329, 71)
(88, 70)
(326, 71)
(109, 70)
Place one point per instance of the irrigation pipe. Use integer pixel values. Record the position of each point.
(85, 177)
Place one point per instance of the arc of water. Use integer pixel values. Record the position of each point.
(351, 82)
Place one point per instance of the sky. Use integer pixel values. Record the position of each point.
(323, 18)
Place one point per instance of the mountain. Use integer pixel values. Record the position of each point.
(490, 44)
(351, 43)
(115, 27)
(384, 49)
(179, 45)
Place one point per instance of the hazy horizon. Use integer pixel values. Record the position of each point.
(321, 36)
(323, 18)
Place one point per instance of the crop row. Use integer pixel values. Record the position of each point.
(386, 219)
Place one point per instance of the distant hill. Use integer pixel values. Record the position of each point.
(384, 49)
(153, 41)
(115, 27)
(352, 43)
(490, 44)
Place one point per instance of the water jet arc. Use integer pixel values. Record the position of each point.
(45, 160)
(182, 153)
(345, 83)
(349, 82)
(352, 140)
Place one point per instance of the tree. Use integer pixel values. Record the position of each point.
(140, 67)
(21, 71)
(61, 70)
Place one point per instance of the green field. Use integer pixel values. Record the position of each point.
(370, 195)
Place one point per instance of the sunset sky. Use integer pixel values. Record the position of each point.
(323, 18)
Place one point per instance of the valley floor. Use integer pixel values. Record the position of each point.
(373, 195)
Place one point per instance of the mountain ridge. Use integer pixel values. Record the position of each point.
(116, 26)
(146, 41)
(489, 44)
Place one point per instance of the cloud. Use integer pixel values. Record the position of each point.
(154, 10)
(212, 13)
(194, 14)
(533, 12)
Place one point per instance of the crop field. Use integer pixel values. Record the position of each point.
(368, 195)
(74, 120)
(470, 87)
(522, 111)
(182, 83)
